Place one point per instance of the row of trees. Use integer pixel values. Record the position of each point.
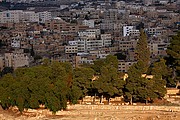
(173, 61)
(165, 71)
(140, 88)
(53, 83)
(49, 84)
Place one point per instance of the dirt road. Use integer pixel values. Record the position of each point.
(77, 113)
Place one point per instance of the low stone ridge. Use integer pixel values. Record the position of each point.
(96, 112)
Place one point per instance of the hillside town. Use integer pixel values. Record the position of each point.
(89, 57)
(82, 32)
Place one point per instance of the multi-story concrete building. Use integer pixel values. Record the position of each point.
(127, 45)
(31, 16)
(111, 14)
(13, 16)
(130, 31)
(71, 49)
(153, 47)
(85, 45)
(59, 25)
(107, 25)
(89, 23)
(106, 40)
(84, 58)
(89, 33)
(92, 39)
(157, 31)
(17, 59)
(15, 43)
(123, 66)
(43, 16)
(158, 49)
(18, 41)
(16, 16)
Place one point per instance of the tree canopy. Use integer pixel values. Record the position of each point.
(109, 83)
(138, 87)
(49, 84)
(173, 60)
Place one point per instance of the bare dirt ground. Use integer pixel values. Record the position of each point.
(91, 114)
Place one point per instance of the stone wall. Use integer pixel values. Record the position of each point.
(137, 108)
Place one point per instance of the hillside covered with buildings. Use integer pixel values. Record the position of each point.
(104, 48)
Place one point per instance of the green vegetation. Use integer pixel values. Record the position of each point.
(139, 88)
(173, 60)
(109, 83)
(120, 56)
(53, 83)
(48, 84)
(6, 70)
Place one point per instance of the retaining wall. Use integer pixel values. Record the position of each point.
(111, 107)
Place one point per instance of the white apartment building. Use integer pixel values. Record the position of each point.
(72, 43)
(15, 43)
(130, 31)
(85, 45)
(31, 16)
(89, 33)
(106, 40)
(43, 16)
(89, 23)
(16, 16)
(100, 54)
(81, 44)
(11, 16)
(91, 39)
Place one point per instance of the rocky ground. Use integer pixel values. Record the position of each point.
(90, 114)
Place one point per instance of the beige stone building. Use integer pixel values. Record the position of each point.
(123, 66)
(17, 59)
(58, 25)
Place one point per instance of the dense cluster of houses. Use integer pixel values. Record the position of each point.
(86, 31)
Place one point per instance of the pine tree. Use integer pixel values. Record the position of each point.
(174, 57)
(143, 53)
(158, 71)
(136, 85)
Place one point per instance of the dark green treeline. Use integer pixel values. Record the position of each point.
(53, 84)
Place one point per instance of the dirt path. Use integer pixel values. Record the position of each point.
(90, 114)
